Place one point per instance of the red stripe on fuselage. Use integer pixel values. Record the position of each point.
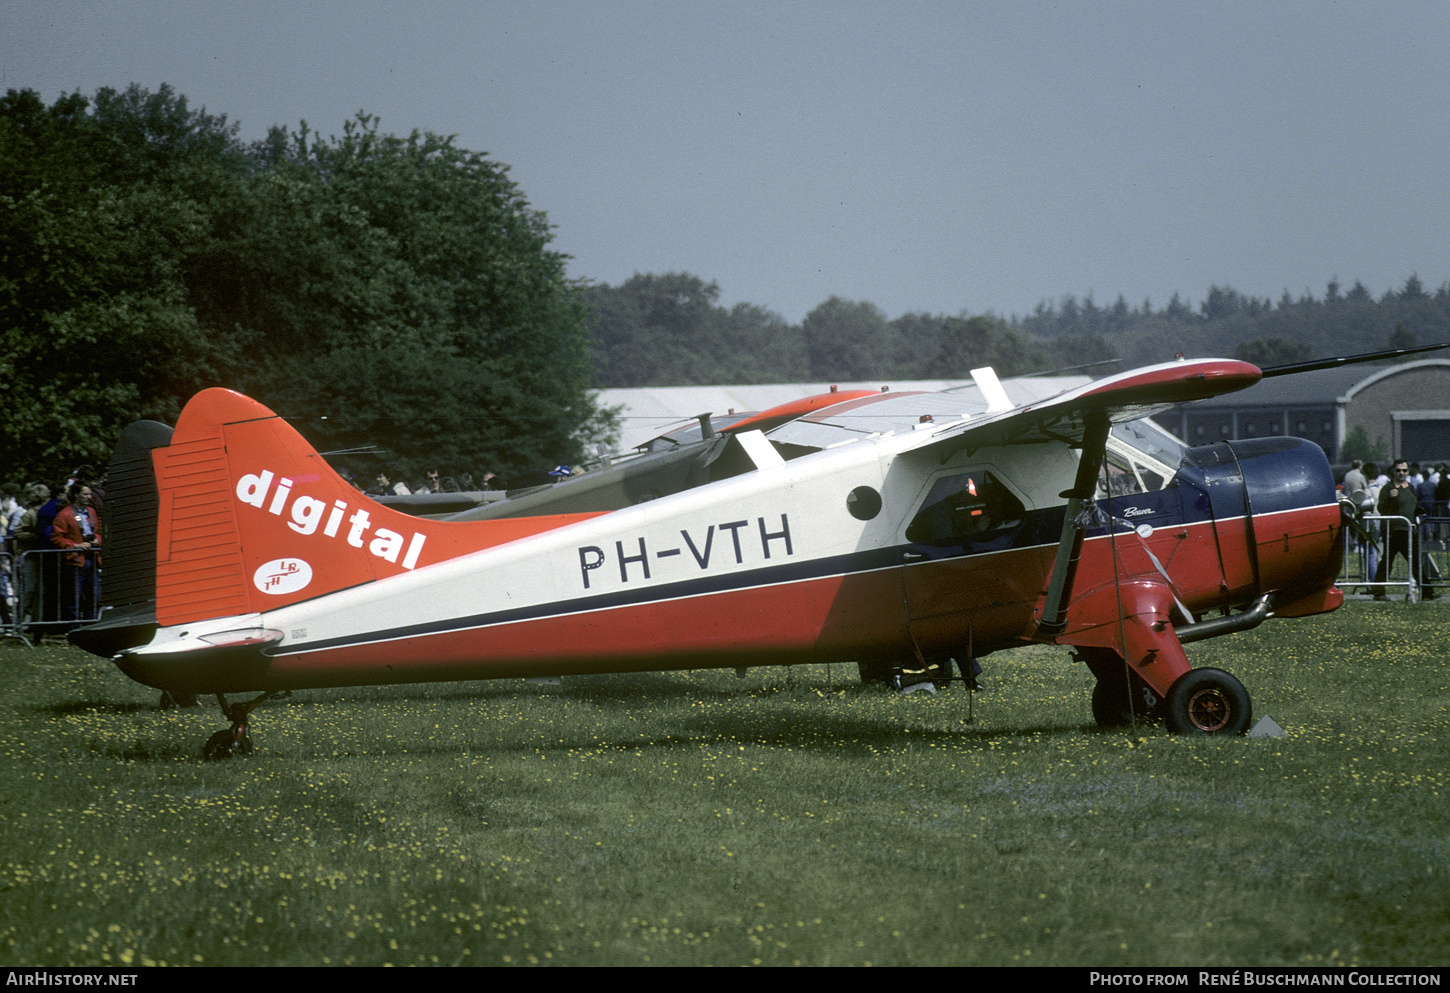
(803, 621)
(851, 617)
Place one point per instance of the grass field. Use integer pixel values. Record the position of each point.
(701, 818)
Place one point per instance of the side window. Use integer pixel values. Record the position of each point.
(1126, 476)
(965, 508)
(1120, 477)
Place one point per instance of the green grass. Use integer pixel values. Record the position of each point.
(697, 818)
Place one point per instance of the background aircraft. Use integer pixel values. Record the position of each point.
(890, 529)
(673, 461)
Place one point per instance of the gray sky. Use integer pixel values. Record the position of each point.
(924, 156)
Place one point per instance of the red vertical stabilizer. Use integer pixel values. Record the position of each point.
(251, 518)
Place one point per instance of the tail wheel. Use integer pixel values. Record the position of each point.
(1208, 701)
(228, 742)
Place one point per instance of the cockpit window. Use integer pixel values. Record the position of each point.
(1152, 442)
(1125, 477)
(1141, 458)
(964, 508)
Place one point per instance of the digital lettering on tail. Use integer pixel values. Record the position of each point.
(305, 515)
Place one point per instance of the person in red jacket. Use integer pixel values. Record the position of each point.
(78, 528)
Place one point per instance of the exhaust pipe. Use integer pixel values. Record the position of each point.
(1261, 610)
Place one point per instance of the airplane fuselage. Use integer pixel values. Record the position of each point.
(807, 560)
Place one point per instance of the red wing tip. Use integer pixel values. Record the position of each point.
(1178, 382)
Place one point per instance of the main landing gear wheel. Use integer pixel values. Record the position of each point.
(1119, 702)
(1208, 701)
(1120, 697)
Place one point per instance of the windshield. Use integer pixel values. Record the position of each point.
(1141, 457)
(1152, 441)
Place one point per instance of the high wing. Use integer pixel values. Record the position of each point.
(950, 422)
(957, 419)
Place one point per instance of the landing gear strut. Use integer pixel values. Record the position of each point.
(234, 740)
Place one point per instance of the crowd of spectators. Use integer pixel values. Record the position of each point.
(1410, 491)
(50, 568)
(432, 482)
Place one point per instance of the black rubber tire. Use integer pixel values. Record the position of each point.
(1112, 699)
(225, 743)
(1117, 689)
(1208, 701)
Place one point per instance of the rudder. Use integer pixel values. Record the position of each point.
(233, 512)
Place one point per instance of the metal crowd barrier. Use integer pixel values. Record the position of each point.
(1434, 538)
(9, 599)
(51, 595)
(1429, 543)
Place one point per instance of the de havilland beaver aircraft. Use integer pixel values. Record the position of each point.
(888, 529)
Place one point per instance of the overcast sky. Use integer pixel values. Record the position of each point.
(940, 157)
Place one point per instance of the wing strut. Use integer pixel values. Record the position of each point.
(1075, 523)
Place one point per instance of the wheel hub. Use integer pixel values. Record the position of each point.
(1209, 710)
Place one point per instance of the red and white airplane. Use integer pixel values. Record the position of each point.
(889, 529)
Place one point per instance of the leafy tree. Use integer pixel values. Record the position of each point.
(761, 346)
(1402, 337)
(1076, 353)
(653, 330)
(400, 288)
(846, 340)
(964, 344)
(430, 316)
(670, 330)
(1413, 291)
(1119, 316)
(95, 330)
(1358, 446)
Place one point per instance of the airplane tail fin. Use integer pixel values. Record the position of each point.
(236, 513)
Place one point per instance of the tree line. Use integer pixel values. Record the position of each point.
(376, 290)
(670, 330)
